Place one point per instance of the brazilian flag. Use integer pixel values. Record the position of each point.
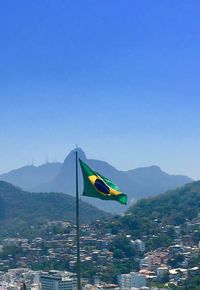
(96, 185)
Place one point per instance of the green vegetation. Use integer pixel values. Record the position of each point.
(193, 283)
(23, 212)
(173, 207)
(122, 248)
(153, 218)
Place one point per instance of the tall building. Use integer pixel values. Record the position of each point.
(133, 279)
(140, 245)
(58, 280)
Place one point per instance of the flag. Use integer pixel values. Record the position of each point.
(96, 185)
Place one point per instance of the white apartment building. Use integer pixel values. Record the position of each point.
(140, 245)
(133, 279)
(57, 281)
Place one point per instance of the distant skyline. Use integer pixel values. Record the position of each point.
(119, 78)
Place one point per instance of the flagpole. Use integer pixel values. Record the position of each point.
(77, 228)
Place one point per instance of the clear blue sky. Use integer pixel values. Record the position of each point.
(120, 78)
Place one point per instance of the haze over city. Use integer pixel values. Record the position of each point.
(120, 79)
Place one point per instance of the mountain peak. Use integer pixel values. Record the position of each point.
(149, 169)
(154, 168)
(71, 155)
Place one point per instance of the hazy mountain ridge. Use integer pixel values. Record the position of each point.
(154, 180)
(137, 183)
(28, 176)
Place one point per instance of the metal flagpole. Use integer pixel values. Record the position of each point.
(77, 228)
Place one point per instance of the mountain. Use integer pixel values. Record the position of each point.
(153, 219)
(172, 207)
(28, 176)
(152, 180)
(60, 177)
(19, 207)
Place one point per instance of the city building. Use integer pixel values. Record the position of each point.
(140, 245)
(133, 279)
(58, 280)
